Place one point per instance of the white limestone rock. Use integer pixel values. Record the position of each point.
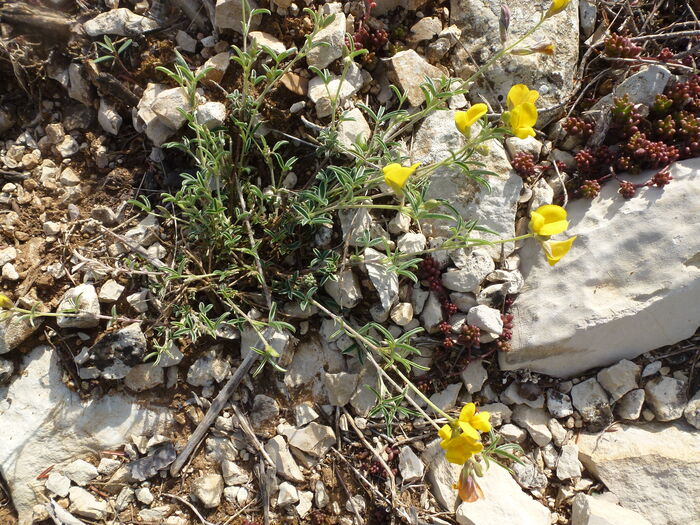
(229, 14)
(353, 128)
(402, 313)
(474, 376)
(385, 281)
(340, 387)
(512, 505)
(630, 406)
(83, 299)
(486, 318)
(83, 503)
(663, 462)
(666, 396)
(499, 412)
(313, 439)
(109, 118)
(436, 139)
(411, 243)
(14, 331)
(642, 88)
(410, 465)
(568, 465)
(208, 489)
(144, 377)
(692, 411)
(210, 114)
(620, 378)
(592, 402)
(481, 40)
(534, 420)
(287, 468)
(334, 36)
(122, 22)
(512, 433)
(558, 404)
(320, 94)
(408, 70)
(447, 398)
(596, 510)
(80, 472)
(167, 106)
(58, 484)
(629, 284)
(346, 290)
(260, 38)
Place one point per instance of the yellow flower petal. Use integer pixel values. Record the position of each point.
(445, 432)
(536, 222)
(520, 94)
(467, 412)
(461, 448)
(522, 118)
(5, 302)
(557, 7)
(552, 212)
(396, 175)
(464, 119)
(468, 430)
(548, 220)
(481, 421)
(555, 250)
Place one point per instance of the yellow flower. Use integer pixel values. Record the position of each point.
(522, 118)
(460, 443)
(478, 420)
(555, 250)
(548, 220)
(5, 302)
(557, 7)
(519, 94)
(464, 119)
(396, 175)
(460, 440)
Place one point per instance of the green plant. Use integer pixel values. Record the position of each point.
(250, 245)
(113, 52)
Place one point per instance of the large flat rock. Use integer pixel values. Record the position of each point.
(552, 75)
(630, 284)
(44, 423)
(653, 470)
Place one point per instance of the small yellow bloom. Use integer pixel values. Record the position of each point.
(557, 7)
(522, 119)
(555, 250)
(461, 439)
(396, 175)
(464, 119)
(478, 420)
(548, 220)
(519, 94)
(460, 443)
(5, 302)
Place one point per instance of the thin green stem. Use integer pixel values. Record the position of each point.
(356, 335)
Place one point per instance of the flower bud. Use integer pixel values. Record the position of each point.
(504, 22)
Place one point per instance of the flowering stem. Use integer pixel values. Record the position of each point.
(502, 53)
(355, 334)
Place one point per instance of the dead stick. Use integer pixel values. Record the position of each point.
(248, 431)
(216, 407)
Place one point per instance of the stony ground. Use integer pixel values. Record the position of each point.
(590, 367)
